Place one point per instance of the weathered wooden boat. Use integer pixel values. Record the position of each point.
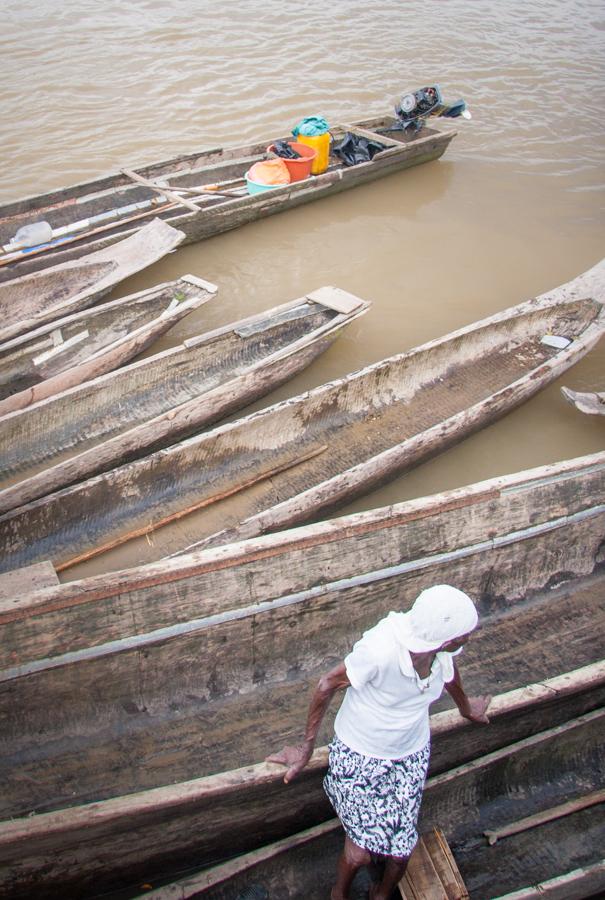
(529, 813)
(141, 703)
(590, 402)
(92, 214)
(76, 348)
(295, 461)
(90, 427)
(302, 867)
(29, 301)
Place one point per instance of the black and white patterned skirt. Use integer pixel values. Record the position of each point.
(377, 800)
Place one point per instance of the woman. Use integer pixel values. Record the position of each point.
(380, 753)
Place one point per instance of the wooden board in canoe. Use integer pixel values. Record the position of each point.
(198, 667)
(76, 348)
(590, 402)
(301, 458)
(29, 301)
(116, 205)
(91, 427)
(527, 813)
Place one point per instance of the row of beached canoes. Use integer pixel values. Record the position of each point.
(138, 705)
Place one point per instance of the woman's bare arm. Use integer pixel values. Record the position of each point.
(297, 757)
(472, 708)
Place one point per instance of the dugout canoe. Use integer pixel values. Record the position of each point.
(143, 702)
(90, 428)
(304, 457)
(590, 402)
(526, 821)
(28, 301)
(94, 204)
(76, 348)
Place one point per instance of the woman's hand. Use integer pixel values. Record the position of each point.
(474, 709)
(295, 758)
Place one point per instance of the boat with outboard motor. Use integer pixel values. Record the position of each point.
(205, 193)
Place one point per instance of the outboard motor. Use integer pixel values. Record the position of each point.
(414, 108)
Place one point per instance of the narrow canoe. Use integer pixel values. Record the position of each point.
(150, 403)
(76, 348)
(112, 207)
(590, 402)
(301, 458)
(531, 812)
(29, 301)
(172, 681)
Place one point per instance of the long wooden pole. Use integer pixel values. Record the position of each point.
(547, 815)
(166, 192)
(153, 526)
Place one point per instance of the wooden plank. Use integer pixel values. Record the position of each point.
(28, 579)
(421, 881)
(445, 865)
(335, 298)
(373, 136)
(432, 873)
(163, 192)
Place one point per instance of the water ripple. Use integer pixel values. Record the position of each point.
(89, 86)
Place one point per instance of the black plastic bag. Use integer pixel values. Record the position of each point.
(283, 149)
(354, 149)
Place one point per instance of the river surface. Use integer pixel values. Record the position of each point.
(514, 208)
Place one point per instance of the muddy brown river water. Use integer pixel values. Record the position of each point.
(514, 208)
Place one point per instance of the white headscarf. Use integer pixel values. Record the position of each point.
(440, 614)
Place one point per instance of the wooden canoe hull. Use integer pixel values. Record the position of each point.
(88, 344)
(590, 402)
(90, 428)
(304, 457)
(144, 837)
(117, 690)
(31, 300)
(217, 214)
(528, 776)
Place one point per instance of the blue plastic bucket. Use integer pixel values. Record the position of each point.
(255, 187)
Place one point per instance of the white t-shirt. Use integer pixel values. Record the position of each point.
(385, 712)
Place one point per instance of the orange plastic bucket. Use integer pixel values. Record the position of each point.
(299, 169)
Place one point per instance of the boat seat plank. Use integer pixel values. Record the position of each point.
(28, 579)
(371, 135)
(445, 864)
(335, 298)
(432, 873)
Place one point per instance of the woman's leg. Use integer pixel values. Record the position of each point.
(394, 871)
(352, 858)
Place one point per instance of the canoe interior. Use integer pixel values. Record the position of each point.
(540, 773)
(232, 470)
(128, 715)
(45, 290)
(27, 364)
(525, 778)
(96, 412)
(80, 202)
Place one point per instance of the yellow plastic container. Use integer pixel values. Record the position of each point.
(321, 145)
